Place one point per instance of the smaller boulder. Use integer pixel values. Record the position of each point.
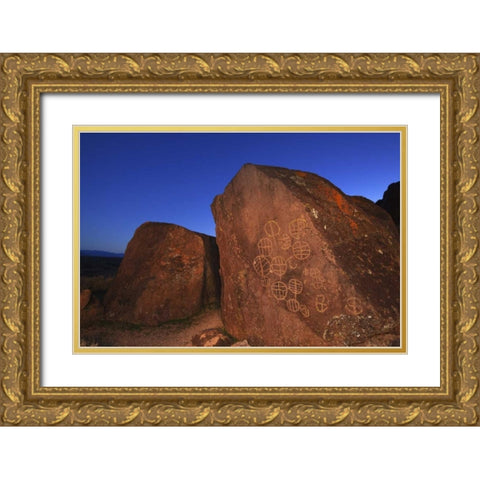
(167, 273)
(212, 337)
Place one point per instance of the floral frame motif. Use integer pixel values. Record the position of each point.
(23, 77)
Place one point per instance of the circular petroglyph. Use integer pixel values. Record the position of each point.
(265, 246)
(353, 306)
(271, 228)
(278, 266)
(261, 265)
(293, 305)
(279, 290)
(281, 251)
(295, 286)
(321, 303)
(305, 311)
(285, 242)
(297, 228)
(301, 250)
(315, 274)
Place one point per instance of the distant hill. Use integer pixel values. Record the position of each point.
(99, 253)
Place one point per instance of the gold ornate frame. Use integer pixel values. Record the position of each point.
(24, 77)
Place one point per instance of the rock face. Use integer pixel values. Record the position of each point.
(167, 273)
(303, 264)
(391, 202)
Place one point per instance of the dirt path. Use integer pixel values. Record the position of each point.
(171, 334)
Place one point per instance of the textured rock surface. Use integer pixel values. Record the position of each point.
(304, 264)
(391, 202)
(167, 273)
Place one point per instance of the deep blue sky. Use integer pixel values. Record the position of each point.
(130, 178)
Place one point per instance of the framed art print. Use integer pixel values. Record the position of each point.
(239, 239)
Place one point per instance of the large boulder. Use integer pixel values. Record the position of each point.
(167, 273)
(302, 263)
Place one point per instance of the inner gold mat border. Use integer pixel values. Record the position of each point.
(78, 129)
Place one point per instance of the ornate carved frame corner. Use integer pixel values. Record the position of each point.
(24, 77)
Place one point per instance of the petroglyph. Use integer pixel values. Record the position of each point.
(272, 228)
(261, 265)
(321, 304)
(353, 306)
(314, 277)
(281, 253)
(285, 242)
(278, 266)
(293, 305)
(297, 228)
(305, 311)
(265, 246)
(314, 273)
(279, 290)
(295, 286)
(301, 250)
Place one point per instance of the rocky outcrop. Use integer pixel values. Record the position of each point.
(304, 264)
(391, 202)
(91, 308)
(167, 273)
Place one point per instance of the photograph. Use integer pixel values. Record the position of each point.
(244, 237)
